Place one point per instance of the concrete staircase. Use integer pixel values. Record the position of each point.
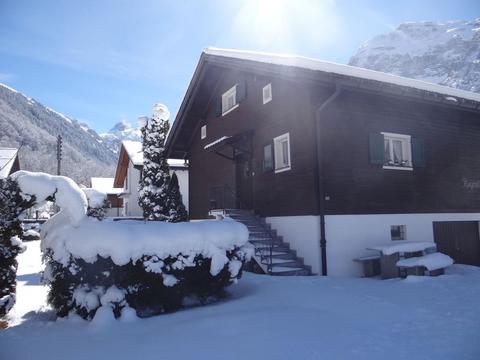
(272, 254)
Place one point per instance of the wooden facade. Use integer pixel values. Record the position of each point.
(351, 184)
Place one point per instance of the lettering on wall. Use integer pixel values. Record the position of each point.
(471, 184)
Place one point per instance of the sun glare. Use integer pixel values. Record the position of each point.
(282, 25)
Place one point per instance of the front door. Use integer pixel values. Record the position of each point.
(244, 183)
(458, 239)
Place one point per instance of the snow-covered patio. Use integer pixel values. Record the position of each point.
(266, 318)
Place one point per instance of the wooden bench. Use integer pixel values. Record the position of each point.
(433, 264)
(371, 265)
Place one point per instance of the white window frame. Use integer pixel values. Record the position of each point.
(406, 141)
(203, 132)
(278, 149)
(267, 93)
(230, 93)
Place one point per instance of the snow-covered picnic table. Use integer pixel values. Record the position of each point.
(393, 251)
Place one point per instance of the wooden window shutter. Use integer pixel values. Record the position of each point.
(218, 106)
(418, 152)
(377, 148)
(241, 92)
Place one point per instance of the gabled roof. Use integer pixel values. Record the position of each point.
(104, 185)
(8, 161)
(298, 67)
(132, 151)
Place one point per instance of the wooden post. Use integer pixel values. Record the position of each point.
(59, 153)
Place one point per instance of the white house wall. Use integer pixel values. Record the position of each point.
(303, 234)
(182, 176)
(131, 207)
(348, 236)
(130, 202)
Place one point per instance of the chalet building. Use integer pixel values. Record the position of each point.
(115, 202)
(333, 158)
(129, 172)
(9, 162)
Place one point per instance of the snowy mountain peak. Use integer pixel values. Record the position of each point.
(446, 53)
(122, 130)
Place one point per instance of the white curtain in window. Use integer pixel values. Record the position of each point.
(285, 152)
(387, 151)
(397, 151)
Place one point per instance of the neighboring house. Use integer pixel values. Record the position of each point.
(128, 174)
(335, 158)
(9, 162)
(105, 185)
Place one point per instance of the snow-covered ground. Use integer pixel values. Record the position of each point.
(266, 318)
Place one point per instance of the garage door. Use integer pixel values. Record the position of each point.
(458, 239)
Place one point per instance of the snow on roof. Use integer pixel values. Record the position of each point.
(105, 185)
(341, 69)
(135, 153)
(223, 138)
(7, 159)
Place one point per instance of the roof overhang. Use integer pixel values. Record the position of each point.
(122, 168)
(179, 139)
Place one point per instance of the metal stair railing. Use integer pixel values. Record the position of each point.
(223, 195)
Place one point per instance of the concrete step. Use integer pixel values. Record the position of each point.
(288, 271)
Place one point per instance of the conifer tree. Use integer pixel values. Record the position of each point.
(154, 185)
(178, 212)
(12, 204)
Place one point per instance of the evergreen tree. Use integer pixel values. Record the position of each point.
(12, 204)
(178, 212)
(154, 185)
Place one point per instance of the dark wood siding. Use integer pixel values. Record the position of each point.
(449, 181)
(458, 239)
(287, 193)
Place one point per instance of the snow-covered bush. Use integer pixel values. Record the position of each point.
(97, 203)
(115, 267)
(152, 267)
(12, 204)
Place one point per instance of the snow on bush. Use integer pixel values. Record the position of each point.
(12, 204)
(151, 267)
(97, 203)
(113, 266)
(66, 192)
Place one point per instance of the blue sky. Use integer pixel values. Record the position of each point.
(110, 60)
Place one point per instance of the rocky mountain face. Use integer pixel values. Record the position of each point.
(121, 131)
(444, 53)
(27, 123)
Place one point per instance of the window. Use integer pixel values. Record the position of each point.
(281, 146)
(398, 151)
(229, 100)
(267, 158)
(203, 132)
(267, 93)
(398, 232)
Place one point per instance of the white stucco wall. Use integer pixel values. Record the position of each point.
(303, 234)
(348, 236)
(130, 199)
(182, 176)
